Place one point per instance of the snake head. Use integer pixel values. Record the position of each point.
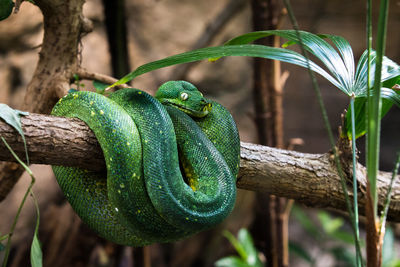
(184, 96)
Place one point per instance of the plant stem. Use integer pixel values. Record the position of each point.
(14, 224)
(355, 186)
(4, 237)
(374, 107)
(323, 109)
(328, 127)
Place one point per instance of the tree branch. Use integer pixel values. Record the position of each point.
(308, 178)
(63, 24)
(87, 75)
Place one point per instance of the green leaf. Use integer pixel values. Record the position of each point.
(249, 50)
(329, 224)
(390, 70)
(391, 82)
(8, 247)
(389, 97)
(343, 236)
(392, 95)
(2, 247)
(306, 222)
(4, 237)
(12, 117)
(319, 48)
(236, 244)
(341, 66)
(342, 254)
(76, 77)
(300, 251)
(347, 54)
(6, 7)
(100, 87)
(36, 252)
(246, 241)
(231, 261)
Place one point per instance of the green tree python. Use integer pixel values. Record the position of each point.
(171, 161)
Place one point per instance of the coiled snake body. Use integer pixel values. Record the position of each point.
(169, 175)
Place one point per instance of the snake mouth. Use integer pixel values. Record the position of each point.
(206, 108)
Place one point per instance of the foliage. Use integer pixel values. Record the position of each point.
(332, 237)
(339, 64)
(245, 248)
(330, 234)
(12, 117)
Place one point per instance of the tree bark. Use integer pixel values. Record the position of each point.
(58, 59)
(310, 179)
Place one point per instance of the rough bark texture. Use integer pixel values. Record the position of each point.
(58, 60)
(50, 137)
(308, 178)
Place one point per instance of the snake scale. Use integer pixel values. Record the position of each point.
(172, 162)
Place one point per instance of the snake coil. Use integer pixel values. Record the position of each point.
(169, 175)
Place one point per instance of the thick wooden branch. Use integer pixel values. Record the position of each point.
(308, 178)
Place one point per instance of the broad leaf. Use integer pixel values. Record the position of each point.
(390, 70)
(231, 261)
(236, 244)
(347, 55)
(317, 46)
(248, 50)
(245, 239)
(389, 97)
(329, 224)
(36, 252)
(12, 117)
(337, 59)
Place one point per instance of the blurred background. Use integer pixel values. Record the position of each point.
(159, 28)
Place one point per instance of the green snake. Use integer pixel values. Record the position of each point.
(171, 163)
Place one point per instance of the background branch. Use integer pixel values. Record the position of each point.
(87, 75)
(310, 179)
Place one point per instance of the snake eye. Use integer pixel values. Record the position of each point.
(184, 96)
